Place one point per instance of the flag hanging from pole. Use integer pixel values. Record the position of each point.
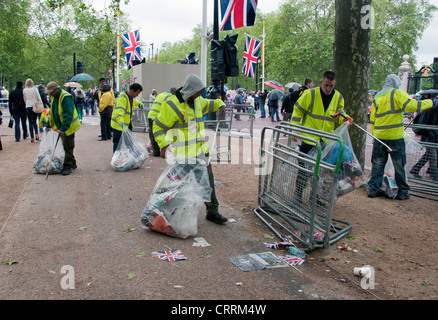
(131, 80)
(131, 41)
(250, 56)
(237, 13)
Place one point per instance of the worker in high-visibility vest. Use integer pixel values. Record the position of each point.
(181, 119)
(313, 110)
(152, 115)
(121, 118)
(386, 120)
(64, 118)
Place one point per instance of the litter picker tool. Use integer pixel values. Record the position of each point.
(215, 135)
(51, 158)
(345, 117)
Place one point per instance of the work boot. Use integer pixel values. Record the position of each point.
(216, 218)
(66, 171)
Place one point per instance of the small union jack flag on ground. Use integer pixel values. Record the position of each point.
(292, 260)
(169, 255)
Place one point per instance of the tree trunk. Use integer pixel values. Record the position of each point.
(351, 63)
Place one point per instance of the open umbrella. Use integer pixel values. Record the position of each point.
(82, 77)
(275, 94)
(73, 85)
(274, 84)
(293, 85)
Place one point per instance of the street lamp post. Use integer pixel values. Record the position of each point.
(113, 58)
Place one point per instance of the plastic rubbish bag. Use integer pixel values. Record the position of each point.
(130, 154)
(351, 174)
(44, 161)
(178, 196)
(389, 186)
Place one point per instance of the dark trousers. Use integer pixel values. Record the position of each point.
(117, 134)
(17, 118)
(379, 158)
(155, 146)
(32, 120)
(105, 127)
(68, 142)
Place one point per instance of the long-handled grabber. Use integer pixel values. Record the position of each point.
(343, 115)
(52, 157)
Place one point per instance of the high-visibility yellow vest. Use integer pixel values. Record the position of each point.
(387, 113)
(75, 123)
(309, 112)
(156, 106)
(122, 112)
(184, 126)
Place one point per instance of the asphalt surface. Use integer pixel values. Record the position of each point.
(79, 237)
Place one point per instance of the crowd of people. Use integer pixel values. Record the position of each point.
(306, 106)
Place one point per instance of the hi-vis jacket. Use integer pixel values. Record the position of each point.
(122, 112)
(309, 112)
(387, 112)
(60, 114)
(156, 106)
(184, 126)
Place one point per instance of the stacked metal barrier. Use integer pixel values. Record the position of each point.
(422, 184)
(140, 116)
(296, 191)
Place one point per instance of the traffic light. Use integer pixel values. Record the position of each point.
(231, 56)
(217, 60)
(79, 67)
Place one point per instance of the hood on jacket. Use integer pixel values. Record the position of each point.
(392, 81)
(192, 85)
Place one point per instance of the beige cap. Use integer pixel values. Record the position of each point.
(51, 86)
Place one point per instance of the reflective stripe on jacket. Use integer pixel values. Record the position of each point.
(309, 112)
(184, 126)
(122, 112)
(75, 123)
(156, 106)
(387, 113)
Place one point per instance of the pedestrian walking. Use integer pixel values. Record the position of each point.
(17, 109)
(31, 96)
(106, 104)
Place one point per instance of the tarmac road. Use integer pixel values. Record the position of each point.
(77, 226)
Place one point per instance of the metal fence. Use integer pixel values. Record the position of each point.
(140, 116)
(297, 192)
(421, 164)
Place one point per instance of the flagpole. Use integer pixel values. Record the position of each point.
(204, 44)
(118, 46)
(263, 56)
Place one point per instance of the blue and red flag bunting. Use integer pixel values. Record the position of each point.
(131, 41)
(237, 13)
(250, 56)
(169, 255)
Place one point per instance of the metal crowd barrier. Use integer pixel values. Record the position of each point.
(297, 192)
(422, 184)
(224, 130)
(140, 117)
(231, 112)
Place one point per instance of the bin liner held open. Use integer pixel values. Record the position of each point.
(178, 196)
(46, 160)
(130, 154)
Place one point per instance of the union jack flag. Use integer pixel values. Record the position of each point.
(292, 260)
(169, 255)
(131, 41)
(237, 13)
(131, 80)
(250, 56)
(123, 83)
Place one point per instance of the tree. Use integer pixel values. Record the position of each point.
(351, 62)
